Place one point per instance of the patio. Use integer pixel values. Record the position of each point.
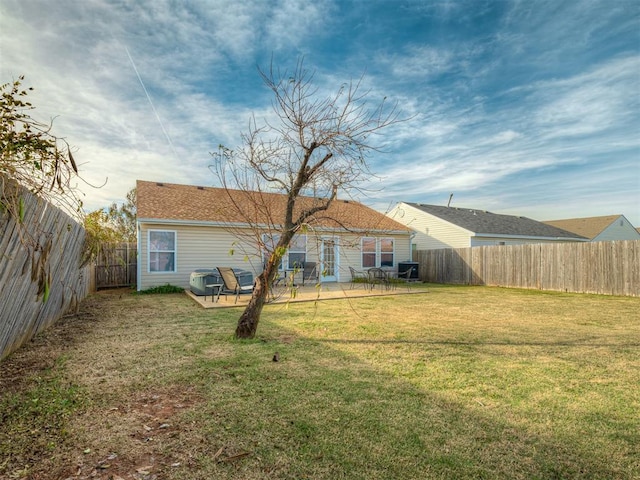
(310, 293)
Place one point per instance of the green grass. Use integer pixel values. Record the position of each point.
(461, 382)
(34, 419)
(168, 288)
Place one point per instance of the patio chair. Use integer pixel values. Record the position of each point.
(309, 272)
(358, 277)
(231, 283)
(406, 276)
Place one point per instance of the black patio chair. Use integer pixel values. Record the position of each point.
(231, 283)
(406, 276)
(359, 277)
(309, 272)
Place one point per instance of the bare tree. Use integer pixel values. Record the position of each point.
(316, 147)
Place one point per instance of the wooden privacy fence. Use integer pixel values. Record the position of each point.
(116, 265)
(23, 313)
(611, 268)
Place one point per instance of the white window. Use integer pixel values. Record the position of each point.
(162, 251)
(296, 253)
(386, 252)
(377, 252)
(368, 252)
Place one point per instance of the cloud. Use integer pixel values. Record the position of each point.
(595, 101)
(502, 97)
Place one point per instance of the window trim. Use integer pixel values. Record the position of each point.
(392, 253)
(377, 251)
(364, 252)
(174, 251)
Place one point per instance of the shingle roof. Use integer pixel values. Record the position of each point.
(190, 203)
(487, 223)
(589, 227)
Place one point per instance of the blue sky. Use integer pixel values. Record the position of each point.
(525, 107)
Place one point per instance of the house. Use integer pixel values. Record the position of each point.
(437, 227)
(183, 228)
(598, 229)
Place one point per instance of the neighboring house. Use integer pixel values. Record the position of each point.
(598, 229)
(437, 227)
(182, 228)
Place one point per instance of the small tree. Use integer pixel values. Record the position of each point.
(32, 158)
(315, 147)
(114, 224)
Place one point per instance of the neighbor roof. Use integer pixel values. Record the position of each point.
(190, 203)
(486, 223)
(589, 227)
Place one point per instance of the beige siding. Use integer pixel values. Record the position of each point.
(621, 229)
(430, 232)
(197, 247)
(209, 247)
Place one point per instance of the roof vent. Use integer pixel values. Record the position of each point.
(200, 188)
(160, 184)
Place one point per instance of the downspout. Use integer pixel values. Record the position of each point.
(138, 261)
(411, 237)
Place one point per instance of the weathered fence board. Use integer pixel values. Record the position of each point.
(611, 268)
(116, 265)
(23, 313)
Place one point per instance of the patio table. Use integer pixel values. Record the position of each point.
(378, 276)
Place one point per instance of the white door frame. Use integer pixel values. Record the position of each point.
(336, 259)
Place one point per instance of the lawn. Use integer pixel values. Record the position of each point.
(458, 382)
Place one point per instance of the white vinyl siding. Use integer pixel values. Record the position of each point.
(481, 241)
(431, 232)
(197, 247)
(620, 229)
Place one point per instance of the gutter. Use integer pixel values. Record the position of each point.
(529, 237)
(209, 223)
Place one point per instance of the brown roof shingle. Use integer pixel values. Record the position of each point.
(190, 203)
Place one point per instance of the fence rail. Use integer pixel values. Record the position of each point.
(23, 313)
(611, 268)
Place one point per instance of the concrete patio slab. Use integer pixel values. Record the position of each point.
(308, 293)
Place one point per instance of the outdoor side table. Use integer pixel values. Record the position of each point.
(214, 296)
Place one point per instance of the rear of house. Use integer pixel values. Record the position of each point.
(184, 228)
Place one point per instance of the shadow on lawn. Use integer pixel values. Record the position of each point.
(326, 399)
(474, 343)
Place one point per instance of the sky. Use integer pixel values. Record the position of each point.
(527, 107)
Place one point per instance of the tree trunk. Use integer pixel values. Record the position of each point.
(248, 322)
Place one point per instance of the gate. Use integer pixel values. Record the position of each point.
(116, 265)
